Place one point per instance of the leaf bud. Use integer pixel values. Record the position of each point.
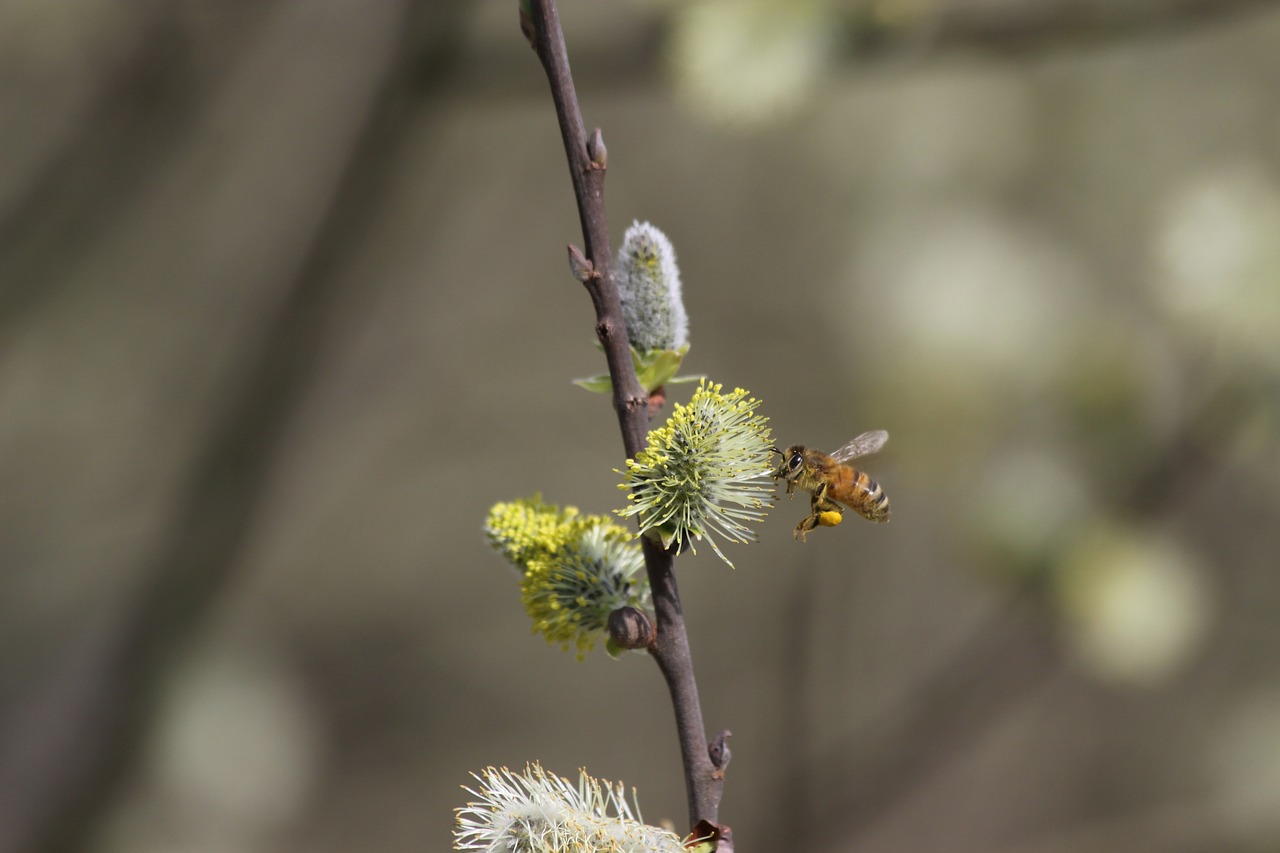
(596, 151)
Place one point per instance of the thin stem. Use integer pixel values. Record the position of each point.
(703, 783)
(630, 402)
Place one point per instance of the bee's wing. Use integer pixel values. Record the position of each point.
(863, 445)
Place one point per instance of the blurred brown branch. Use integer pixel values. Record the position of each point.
(130, 108)
(1004, 660)
(76, 739)
(1035, 26)
(1021, 29)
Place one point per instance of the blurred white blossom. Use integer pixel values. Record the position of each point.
(1217, 261)
(233, 758)
(965, 295)
(240, 739)
(749, 61)
(1135, 606)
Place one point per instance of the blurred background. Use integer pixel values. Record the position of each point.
(285, 308)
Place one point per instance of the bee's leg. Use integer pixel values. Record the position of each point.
(820, 503)
(817, 496)
(822, 511)
(805, 526)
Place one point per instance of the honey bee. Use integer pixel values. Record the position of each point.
(828, 480)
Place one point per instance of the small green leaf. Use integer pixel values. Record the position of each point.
(665, 533)
(654, 368)
(601, 384)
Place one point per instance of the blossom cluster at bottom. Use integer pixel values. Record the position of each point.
(540, 812)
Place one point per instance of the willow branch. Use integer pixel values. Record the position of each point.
(703, 782)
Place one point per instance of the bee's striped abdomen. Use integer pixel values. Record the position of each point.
(864, 495)
(878, 499)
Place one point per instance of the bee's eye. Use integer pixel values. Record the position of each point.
(795, 461)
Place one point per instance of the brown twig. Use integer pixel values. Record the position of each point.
(62, 761)
(671, 651)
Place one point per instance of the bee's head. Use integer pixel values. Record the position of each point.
(792, 462)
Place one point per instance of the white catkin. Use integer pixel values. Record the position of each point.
(650, 290)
